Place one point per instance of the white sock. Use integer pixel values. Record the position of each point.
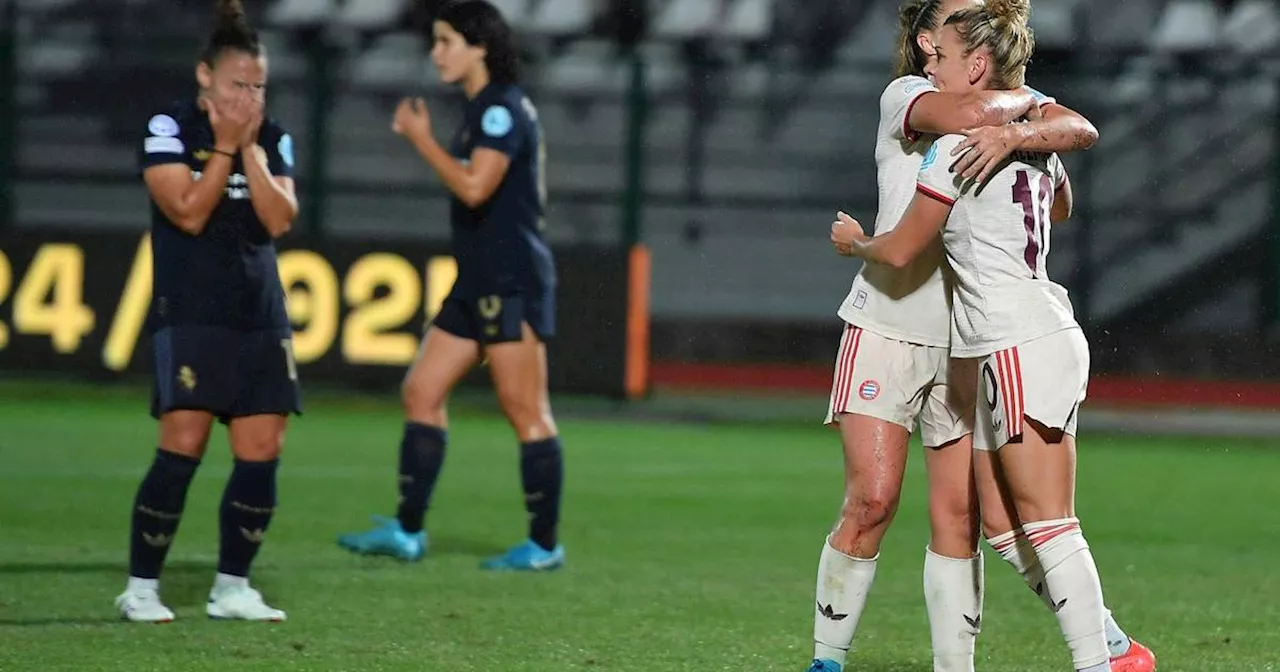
(953, 590)
(1072, 579)
(135, 585)
(225, 581)
(1117, 641)
(1017, 551)
(843, 584)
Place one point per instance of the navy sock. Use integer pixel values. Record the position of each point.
(421, 457)
(157, 510)
(247, 504)
(542, 476)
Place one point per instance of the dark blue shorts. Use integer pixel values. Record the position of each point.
(227, 372)
(497, 319)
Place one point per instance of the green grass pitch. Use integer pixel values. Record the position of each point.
(690, 546)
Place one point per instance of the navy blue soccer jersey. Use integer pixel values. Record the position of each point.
(227, 275)
(499, 245)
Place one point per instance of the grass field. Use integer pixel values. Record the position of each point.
(691, 547)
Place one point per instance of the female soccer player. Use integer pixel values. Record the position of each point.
(221, 186)
(893, 364)
(1010, 319)
(502, 306)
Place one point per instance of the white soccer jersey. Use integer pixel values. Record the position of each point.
(997, 242)
(912, 303)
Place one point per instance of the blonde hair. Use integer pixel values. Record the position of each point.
(915, 17)
(1002, 27)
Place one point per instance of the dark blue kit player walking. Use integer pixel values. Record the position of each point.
(502, 306)
(220, 179)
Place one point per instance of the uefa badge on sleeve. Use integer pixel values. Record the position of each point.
(497, 122)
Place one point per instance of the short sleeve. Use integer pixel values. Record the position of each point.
(280, 156)
(162, 143)
(1057, 171)
(896, 103)
(501, 128)
(936, 179)
(1041, 99)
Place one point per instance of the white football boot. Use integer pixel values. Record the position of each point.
(240, 602)
(143, 605)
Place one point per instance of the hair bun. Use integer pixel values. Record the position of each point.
(231, 15)
(1012, 11)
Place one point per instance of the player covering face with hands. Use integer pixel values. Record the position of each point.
(219, 175)
(1013, 323)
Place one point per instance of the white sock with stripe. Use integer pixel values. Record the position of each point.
(843, 585)
(1017, 551)
(1071, 578)
(953, 589)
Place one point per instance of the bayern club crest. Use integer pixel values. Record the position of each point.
(869, 390)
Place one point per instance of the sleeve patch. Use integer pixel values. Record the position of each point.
(497, 122)
(930, 157)
(917, 84)
(163, 146)
(285, 147)
(163, 125)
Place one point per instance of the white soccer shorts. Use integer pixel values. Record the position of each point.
(1044, 379)
(900, 382)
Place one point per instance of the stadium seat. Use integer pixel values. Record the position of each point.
(588, 67)
(560, 18)
(1054, 24)
(1121, 27)
(51, 57)
(301, 12)
(1253, 28)
(1187, 26)
(749, 20)
(514, 11)
(367, 15)
(686, 19)
(873, 40)
(395, 59)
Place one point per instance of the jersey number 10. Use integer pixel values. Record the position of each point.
(1036, 207)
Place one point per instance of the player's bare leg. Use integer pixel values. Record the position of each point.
(519, 371)
(1040, 472)
(953, 568)
(1003, 530)
(157, 511)
(443, 359)
(248, 503)
(875, 457)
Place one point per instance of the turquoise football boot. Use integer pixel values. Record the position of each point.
(388, 539)
(527, 557)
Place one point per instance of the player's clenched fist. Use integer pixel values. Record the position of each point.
(412, 119)
(846, 234)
